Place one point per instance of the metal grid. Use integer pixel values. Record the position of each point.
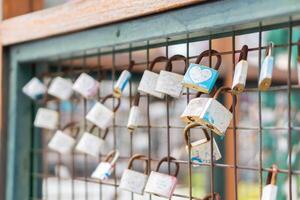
(78, 62)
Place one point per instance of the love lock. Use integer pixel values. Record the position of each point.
(61, 88)
(160, 184)
(91, 144)
(209, 113)
(169, 82)
(35, 89)
(200, 77)
(201, 149)
(240, 72)
(149, 79)
(132, 180)
(46, 118)
(122, 81)
(102, 116)
(134, 114)
(86, 85)
(265, 77)
(270, 190)
(105, 168)
(62, 142)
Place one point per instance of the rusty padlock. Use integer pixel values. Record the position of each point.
(62, 142)
(100, 115)
(161, 184)
(46, 118)
(123, 81)
(201, 149)
(240, 72)
(106, 168)
(86, 85)
(134, 181)
(149, 79)
(209, 112)
(270, 190)
(265, 77)
(134, 114)
(91, 144)
(200, 77)
(35, 89)
(61, 88)
(169, 82)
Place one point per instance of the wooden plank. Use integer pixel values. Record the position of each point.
(80, 14)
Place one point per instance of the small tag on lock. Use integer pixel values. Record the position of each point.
(86, 85)
(46, 118)
(61, 142)
(35, 89)
(103, 171)
(148, 83)
(169, 83)
(90, 144)
(61, 88)
(121, 83)
(100, 115)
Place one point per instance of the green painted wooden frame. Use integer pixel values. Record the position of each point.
(214, 19)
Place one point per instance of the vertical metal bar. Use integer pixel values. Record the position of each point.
(168, 115)
(114, 120)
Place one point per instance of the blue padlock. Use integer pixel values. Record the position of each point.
(200, 77)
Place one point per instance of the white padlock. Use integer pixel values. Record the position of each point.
(201, 149)
(240, 72)
(106, 168)
(134, 114)
(46, 118)
(123, 81)
(102, 116)
(35, 89)
(91, 144)
(160, 184)
(149, 79)
(134, 181)
(169, 82)
(209, 113)
(86, 85)
(270, 190)
(62, 142)
(61, 88)
(265, 77)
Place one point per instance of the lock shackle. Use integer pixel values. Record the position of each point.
(167, 159)
(176, 57)
(157, 60)
(109, 97)
(112, 157)
(70, 126)
(272, 175)
(130, 66)
(136, 99)
(225, 88)
(211, 52)
(269, 49)
(139, 157)
(244, 53)
(104, 135)
(187, 129)
(216, 196)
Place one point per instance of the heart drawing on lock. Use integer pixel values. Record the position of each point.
(199, 75)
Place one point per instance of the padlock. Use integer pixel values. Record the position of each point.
(240, 72)
(270, 190)
(209, 113)
(100, 115)
(160, 184)
(149, 79)
(86, 85)
(169, 82)
(35, 89)
(46, 118)
(91, 144)
(106, 168)
(200, 77)
(201, 149)
(265, 77)
(134, 181)
(134, 114)
(123, 81)
(62, 142)
(61, 88)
